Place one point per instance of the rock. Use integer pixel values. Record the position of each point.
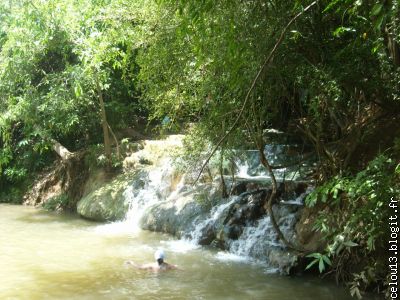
(239, 188)
(207, 235)
(285, 261)
(106, 203)
(174, 217)
(130, 162)
(218, 244)
(97, 178)
(309, 239)
(250, 208)
(237, 223)
(233, 232)
(131, 147)
(152, 152)
(144, 161)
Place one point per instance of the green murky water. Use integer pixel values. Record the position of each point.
(51, 256)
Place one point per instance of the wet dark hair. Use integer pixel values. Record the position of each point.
(160, 261)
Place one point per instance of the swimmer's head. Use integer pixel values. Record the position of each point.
(159, 256)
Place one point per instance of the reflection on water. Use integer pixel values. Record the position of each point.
(50, 256)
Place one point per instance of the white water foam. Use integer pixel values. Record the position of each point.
(228, 256)
(155, 189)
(179, 246)
(216, 212)
(254, 243)
(300, 199)
(254, 239)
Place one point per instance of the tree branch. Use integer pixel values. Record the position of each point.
(271, 199)
(116, 141)
(246, 99)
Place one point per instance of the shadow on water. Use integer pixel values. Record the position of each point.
(42, 216)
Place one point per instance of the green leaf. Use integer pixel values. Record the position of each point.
(23, 143)
(376, 9)
(354, 291)
(350, 244)
(321, 265)
(78, 90)
(327, 260)
(378, 22)
(314, 255)
(331, 5)
(324, 198)
(341, 30)
(311, 264)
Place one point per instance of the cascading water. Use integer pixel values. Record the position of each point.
(239, 224)
(249, 243)
(257, 239)
(287, 156)
(152, 187)
(215, 214)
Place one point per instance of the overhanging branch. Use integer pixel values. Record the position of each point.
(246, 99)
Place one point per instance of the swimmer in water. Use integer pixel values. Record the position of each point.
(159, 265)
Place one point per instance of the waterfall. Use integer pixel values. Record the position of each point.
(215, 214)
(255, 240)
(259, 239)
(249, 165)
(238, 225)
(152, 187)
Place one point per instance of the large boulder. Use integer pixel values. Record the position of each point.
(175, 215)
(308, 238)
(107, 203)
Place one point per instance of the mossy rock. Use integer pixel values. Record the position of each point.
(107, 203)
(175, 215)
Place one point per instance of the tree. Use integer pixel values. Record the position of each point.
(54, 56)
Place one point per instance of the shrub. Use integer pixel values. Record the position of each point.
(354, 222)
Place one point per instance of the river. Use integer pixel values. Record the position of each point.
(59, 256)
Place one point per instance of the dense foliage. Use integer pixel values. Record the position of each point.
(332, 83)
(354, 221)
(54, 56)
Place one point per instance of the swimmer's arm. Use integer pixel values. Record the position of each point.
(135, 265)
(131, 263)
(174, 267)
(145, 267)
(140, 267)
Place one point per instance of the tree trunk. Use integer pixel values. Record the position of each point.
(116, 141)
(272, 196)
(106, 134)
(63, 152)
(224, 192)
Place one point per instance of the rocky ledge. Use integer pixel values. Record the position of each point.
(239, 224)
